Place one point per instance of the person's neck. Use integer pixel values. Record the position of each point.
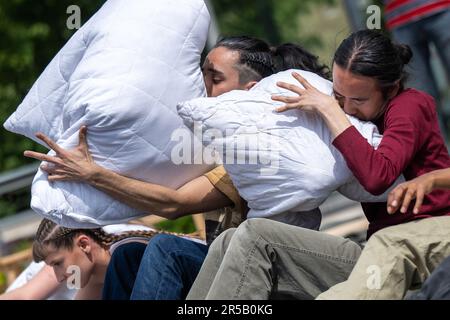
(101, 264)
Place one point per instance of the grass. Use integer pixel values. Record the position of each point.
(180, 225)
(2, 282)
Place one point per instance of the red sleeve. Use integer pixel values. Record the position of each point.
(407, 124)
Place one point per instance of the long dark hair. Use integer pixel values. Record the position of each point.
(293, 56)
(372, 54)
(257, 59)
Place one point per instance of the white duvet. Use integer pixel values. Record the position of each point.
(122, 75)
(279, 162)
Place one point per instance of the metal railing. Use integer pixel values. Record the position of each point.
(22, 224)
(17, 179)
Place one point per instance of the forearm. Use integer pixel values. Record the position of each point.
(376, 169)
(441, 178)
(141, 195)
(40, 287)
(335, 119)
(27, 293)
(17, 294)
(196, 196)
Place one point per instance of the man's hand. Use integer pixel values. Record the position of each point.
(67, 165)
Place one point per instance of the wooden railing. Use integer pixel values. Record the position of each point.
(12, 265)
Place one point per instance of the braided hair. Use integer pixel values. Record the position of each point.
(56, 236)
(257, 59)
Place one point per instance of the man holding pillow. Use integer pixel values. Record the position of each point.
(234, 63)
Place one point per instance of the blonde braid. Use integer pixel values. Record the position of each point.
(106, 239)
(49, 233)
(44, 230)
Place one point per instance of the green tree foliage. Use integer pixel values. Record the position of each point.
(31, 33)
(275, 21)
(180, 225)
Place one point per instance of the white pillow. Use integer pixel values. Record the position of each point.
(122, 75)
(291, 164)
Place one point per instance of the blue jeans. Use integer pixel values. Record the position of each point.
(168, 268)
(121, 272)
(437, 286)
(418, 35)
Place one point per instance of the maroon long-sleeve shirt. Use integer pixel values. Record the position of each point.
(412, 145)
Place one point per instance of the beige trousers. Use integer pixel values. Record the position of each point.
(395, 260)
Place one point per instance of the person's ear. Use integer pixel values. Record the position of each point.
(250, 85)
(84, 243)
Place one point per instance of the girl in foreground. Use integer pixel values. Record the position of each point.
(76, 260)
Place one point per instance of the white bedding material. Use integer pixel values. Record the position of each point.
(301, 168)
(122, 75)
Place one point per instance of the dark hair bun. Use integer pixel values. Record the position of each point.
(404, 52)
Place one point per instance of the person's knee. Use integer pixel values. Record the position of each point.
(127, 251)
(220, 244)
(158, 253)
(162, 243)
(384, 237)
(352, 250)
(386, 244)
(254, 227)
(173, 247)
